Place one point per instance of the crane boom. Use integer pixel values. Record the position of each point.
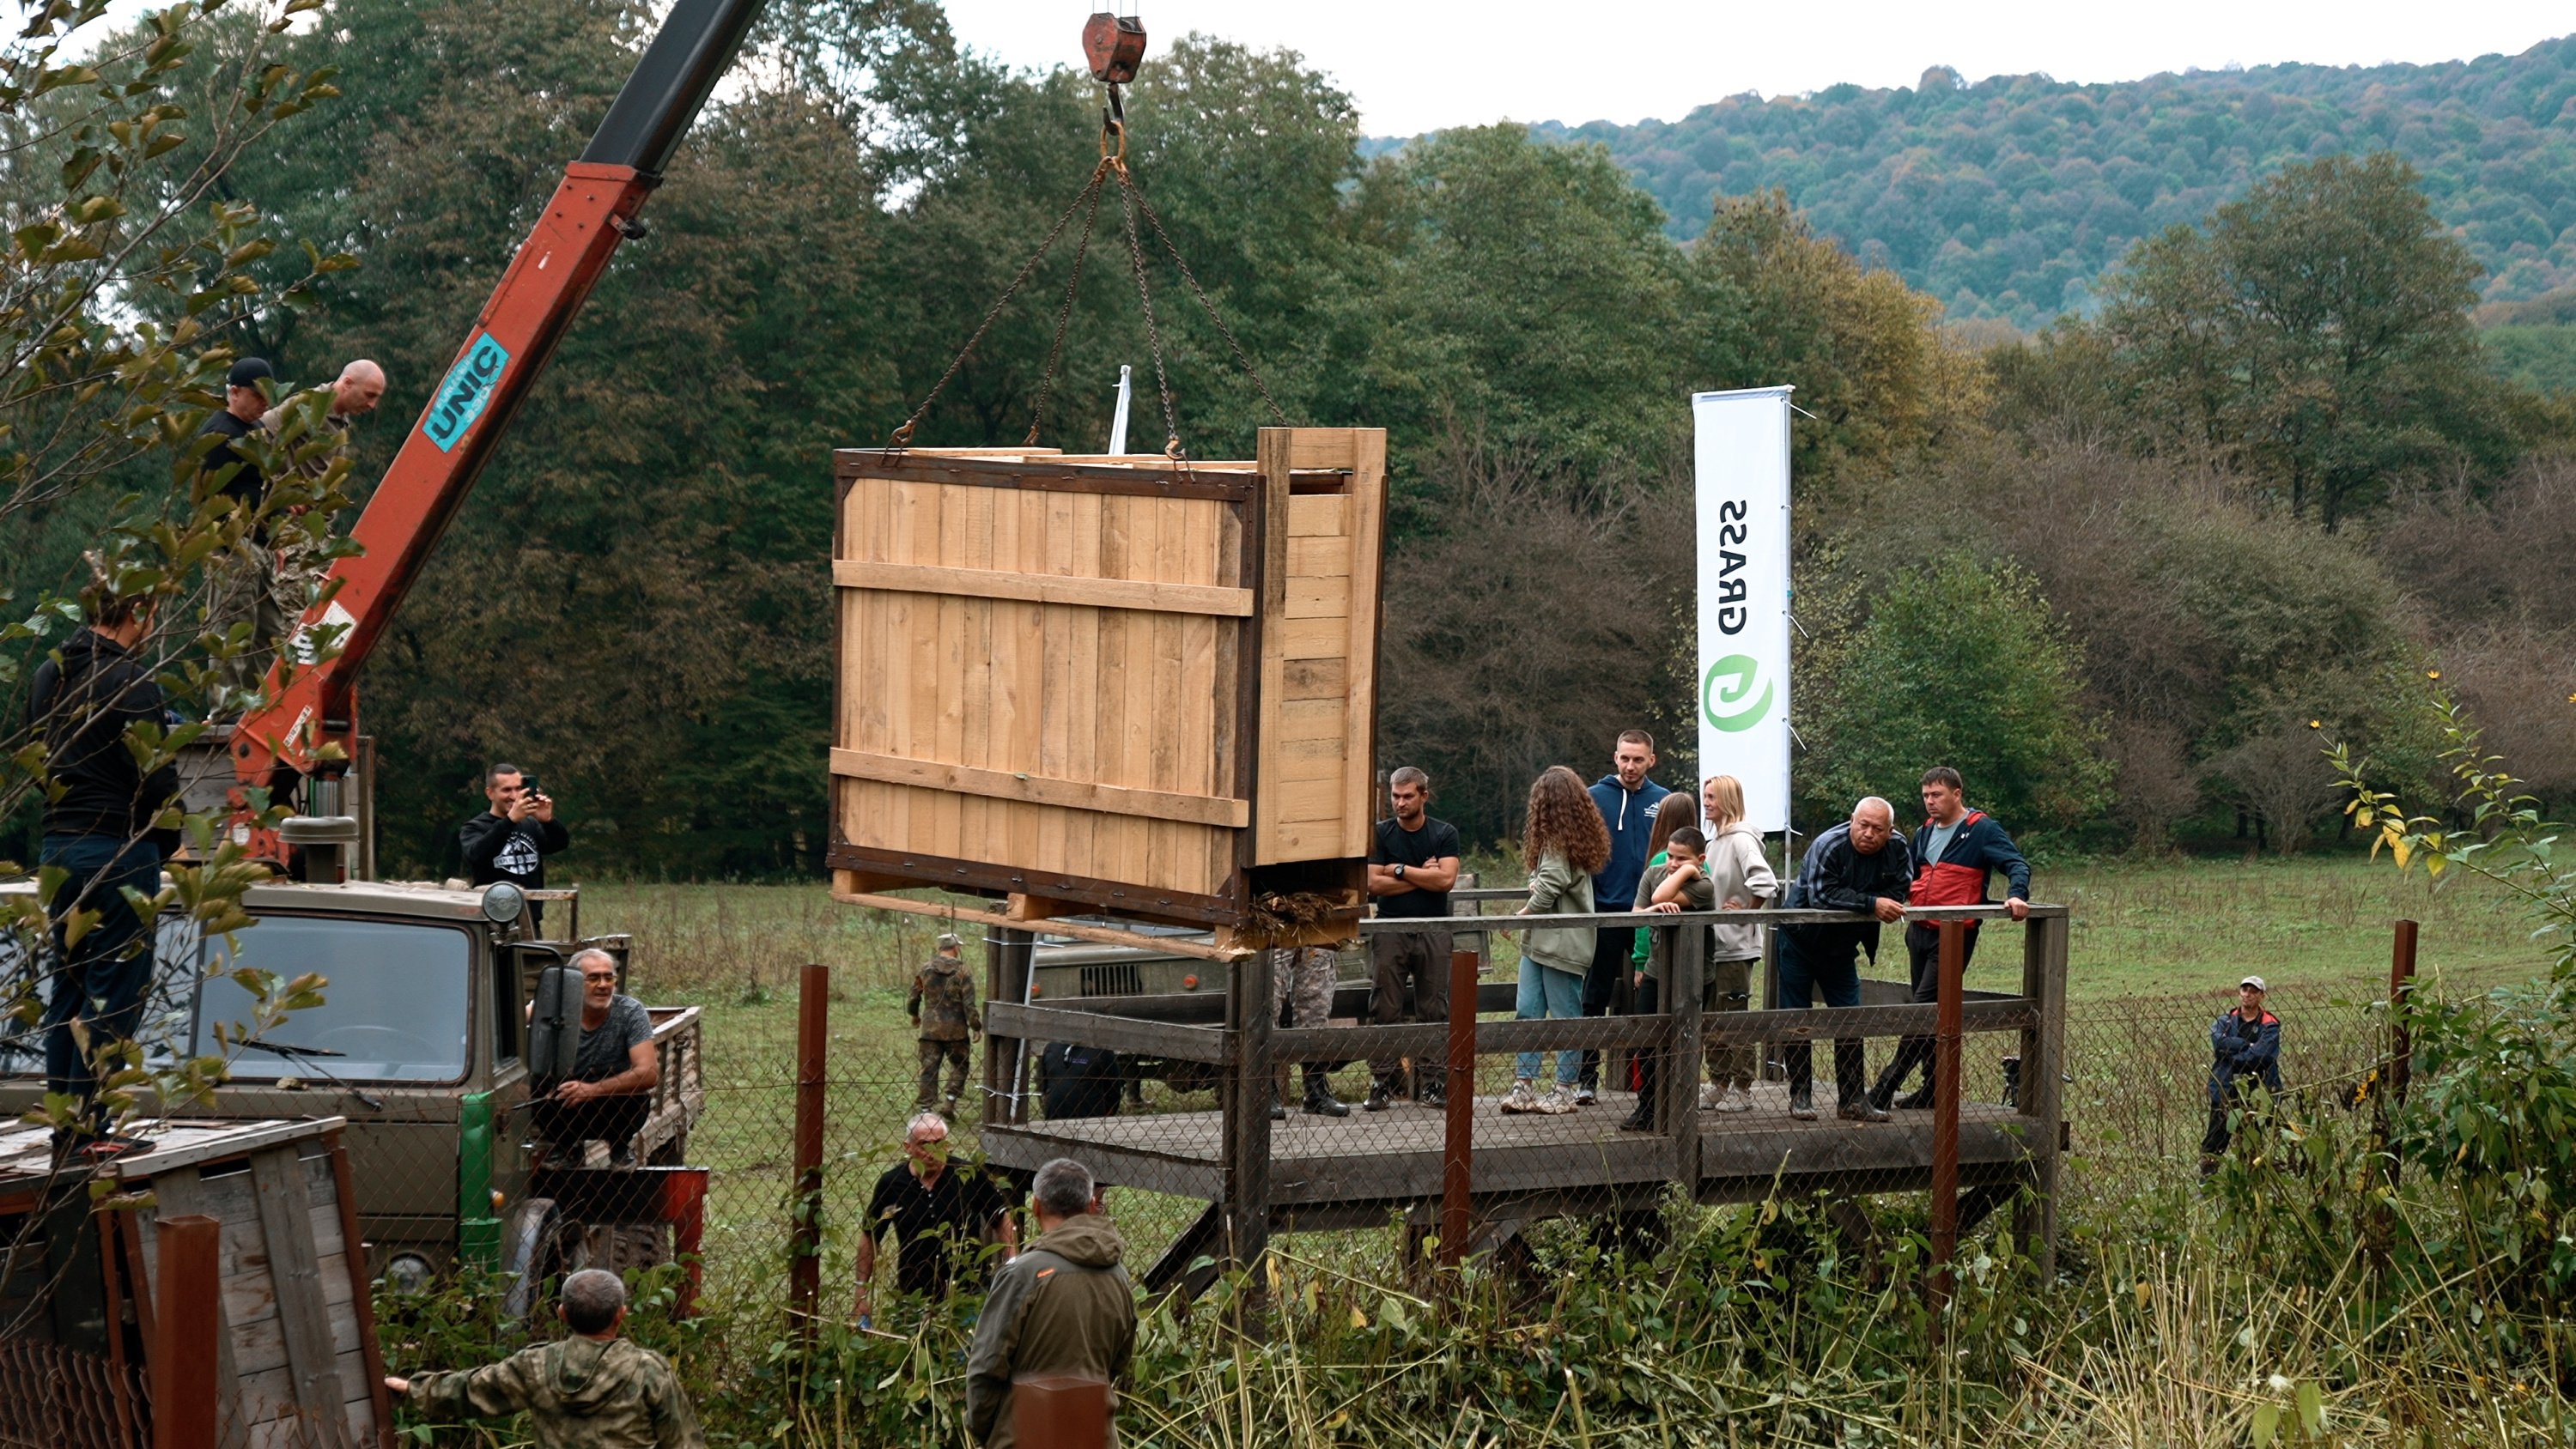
(591, 212)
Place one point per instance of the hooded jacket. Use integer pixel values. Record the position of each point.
(81, 703)
(1064, 1308)
(579, 1393)
(1630, 814)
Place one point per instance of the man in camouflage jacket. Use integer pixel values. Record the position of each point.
(590, 1390)
(943, 1013)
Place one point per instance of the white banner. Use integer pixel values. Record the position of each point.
(1742, 457)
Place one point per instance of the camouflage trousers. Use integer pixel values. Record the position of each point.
(1304, 975)
(955, 1054)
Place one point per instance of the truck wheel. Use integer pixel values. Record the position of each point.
(539, 1244)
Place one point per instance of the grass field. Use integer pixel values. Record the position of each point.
(2155, 951)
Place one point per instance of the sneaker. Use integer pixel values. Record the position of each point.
(1634, 1123)
(1378, 1099)
(1558, 1101)
(1802, 1107)
(1710, 1096)
(1863, 1110)
(1436, 1101)
(1735, 1099)
(1916, 1101)
(1278, 1109)
(1521, 1099)
(1584, 1096)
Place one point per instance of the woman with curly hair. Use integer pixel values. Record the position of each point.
(1563, 845)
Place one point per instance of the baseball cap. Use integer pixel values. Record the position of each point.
(947, 940)
(2256, 982)
(248, 372)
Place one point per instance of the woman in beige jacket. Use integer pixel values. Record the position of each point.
(1742, 880)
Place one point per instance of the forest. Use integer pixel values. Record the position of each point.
(2009, 197)
(2128, 572)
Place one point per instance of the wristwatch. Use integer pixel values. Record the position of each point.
(1399, 872)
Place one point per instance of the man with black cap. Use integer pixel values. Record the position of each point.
(245, 586)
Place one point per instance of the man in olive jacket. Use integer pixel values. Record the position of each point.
(591, 1390)
(1061, 1309)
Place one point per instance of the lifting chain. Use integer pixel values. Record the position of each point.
(1131, 199)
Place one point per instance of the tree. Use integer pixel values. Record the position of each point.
(2315, 333)
(1958, 663)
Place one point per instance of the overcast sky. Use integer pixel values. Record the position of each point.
(1418, 65)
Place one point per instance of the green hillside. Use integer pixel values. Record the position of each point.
(2006, 198)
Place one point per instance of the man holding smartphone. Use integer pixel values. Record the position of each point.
(511, 840)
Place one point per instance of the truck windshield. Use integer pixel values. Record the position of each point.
(395, 1010)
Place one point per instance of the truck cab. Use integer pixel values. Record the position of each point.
(420, 1043)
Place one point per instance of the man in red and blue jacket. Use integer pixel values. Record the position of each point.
(1956, 852)
(2245, 1048)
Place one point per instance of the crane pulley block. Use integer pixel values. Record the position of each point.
(1114, 45)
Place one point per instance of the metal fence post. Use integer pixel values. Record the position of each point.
(187, 1323)
(2401, 988)
(805, 1251)
(2380, 1234)
(1945, 1111)
(1458, 1140)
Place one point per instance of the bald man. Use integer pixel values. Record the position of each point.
(1862, 866)
(354, 394)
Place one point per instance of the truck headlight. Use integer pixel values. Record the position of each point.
(409, 1274)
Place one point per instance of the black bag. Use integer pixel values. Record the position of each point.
(1078, 1081)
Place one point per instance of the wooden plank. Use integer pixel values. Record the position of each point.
(1318, 515)
(1275, 504)
(1322, 597)
(990, 583)
(1322, 556)
(1043, 474)
(1029, 1148)
(225, 1140)
(1367, 532)
(1325, 448)
(1309, 719)
(179, 1194)
(377, 1425)
(1308, 802)
(286, 1222)
(1316, 679)
(1118, 1033)
(1040, 790)
(1310, 638)
(1079, 931)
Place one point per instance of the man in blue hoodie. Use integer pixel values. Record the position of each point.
(1627, 800)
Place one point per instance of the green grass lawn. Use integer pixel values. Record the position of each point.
(2155, 951)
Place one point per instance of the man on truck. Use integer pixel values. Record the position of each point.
(609, 1095)
(511, 840)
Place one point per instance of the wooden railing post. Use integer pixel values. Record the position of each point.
(2381, 1231)
(805, 1252)
(2401, 986)
(1458, 1138)
(1249, 1082)
(1945, 1111)
(1677, 1085)
(187, 1319)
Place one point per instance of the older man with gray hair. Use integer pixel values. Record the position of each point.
(1862, 866)
(590, 1389)
(1063, 1310)
(608, 1096)
(936, 1211)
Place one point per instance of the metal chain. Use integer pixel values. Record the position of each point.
(1153, 334)
(903, 435)
(1242, 358)
(1064, 314)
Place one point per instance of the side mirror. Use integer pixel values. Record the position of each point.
(554, 1027)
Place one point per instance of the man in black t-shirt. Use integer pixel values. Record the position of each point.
(936, 1212)
(1412, 865)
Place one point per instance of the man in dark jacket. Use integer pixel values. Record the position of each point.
(2245, 1048)
(1062, 1309)
(100, 831)
(1956, 852)
(245, 582)
(511, 840)
(1626, 799)
(1861, 866)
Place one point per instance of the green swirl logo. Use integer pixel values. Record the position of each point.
(1728, 684)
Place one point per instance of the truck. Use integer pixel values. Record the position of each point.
(420, 1043)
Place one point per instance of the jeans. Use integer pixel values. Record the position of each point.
(1605, 987)
(1557, 996)
(1802, 979)
(1923, 944)
(97, 985)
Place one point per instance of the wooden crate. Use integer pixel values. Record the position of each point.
(1109, 684)
(297, 1362)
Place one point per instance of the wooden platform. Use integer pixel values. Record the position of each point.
(1373, 1160)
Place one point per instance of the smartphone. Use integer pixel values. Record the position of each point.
(528, 787)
